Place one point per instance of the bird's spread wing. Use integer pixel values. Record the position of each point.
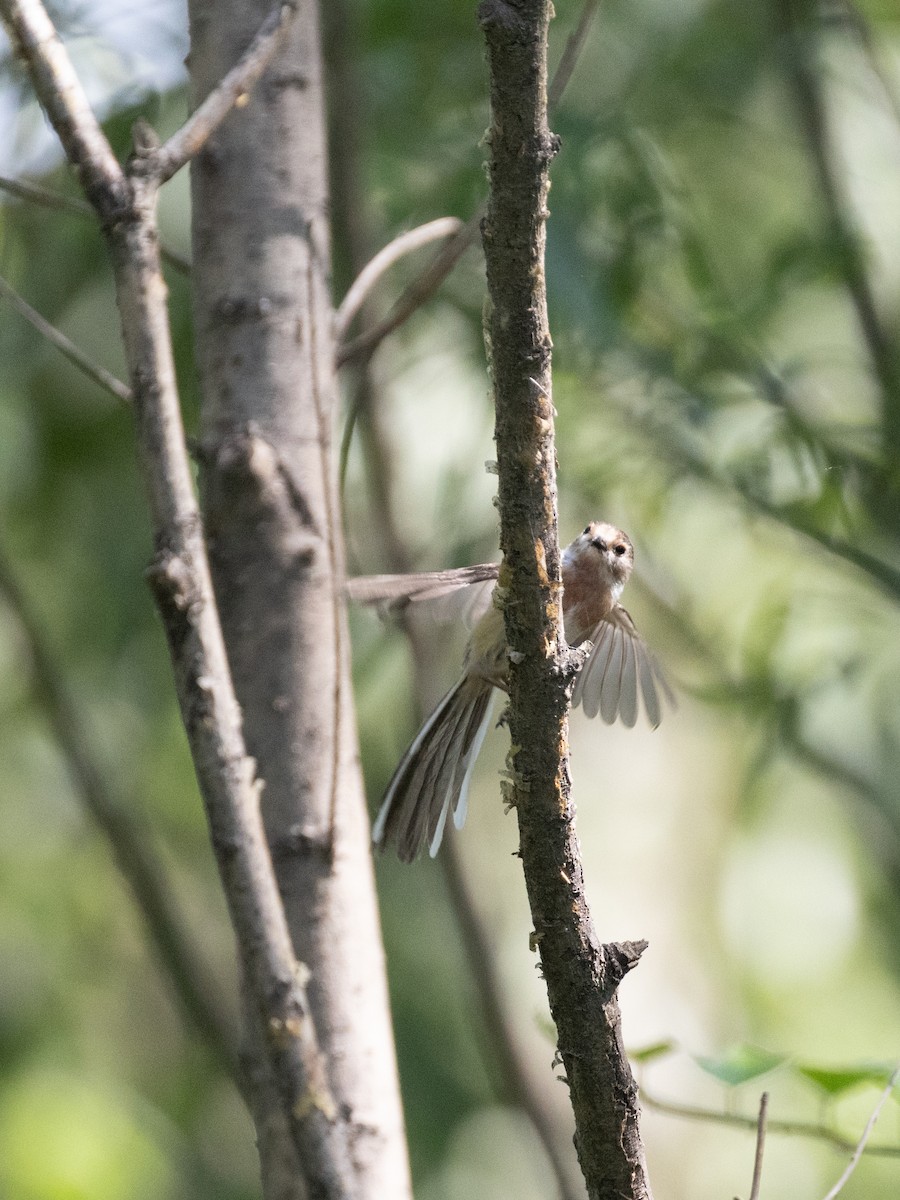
(619, 669)
(461, 593)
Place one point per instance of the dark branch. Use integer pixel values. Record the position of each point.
(760, 1146)
(582, 975)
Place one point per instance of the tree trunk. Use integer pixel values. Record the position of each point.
(265, 354)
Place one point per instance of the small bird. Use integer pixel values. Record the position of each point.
(432, 778)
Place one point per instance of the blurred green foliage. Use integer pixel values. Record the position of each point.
(716, 398)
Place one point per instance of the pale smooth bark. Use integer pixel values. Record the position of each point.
(266, 354)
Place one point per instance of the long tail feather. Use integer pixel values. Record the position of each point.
(433, 775)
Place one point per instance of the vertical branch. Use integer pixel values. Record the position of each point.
(265, 347)
(517, 1078)
(582, 975)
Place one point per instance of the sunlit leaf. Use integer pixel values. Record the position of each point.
(836, 1080)
(740, 1064)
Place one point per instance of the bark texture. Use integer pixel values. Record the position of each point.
(265, 351)
(582, 975)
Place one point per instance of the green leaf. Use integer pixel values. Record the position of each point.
(654, 1050)
(740, 1064)
(836, 1080)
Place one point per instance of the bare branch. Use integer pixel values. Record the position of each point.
(571, 54)
(403, 244)
(232, 91)
(422, 288)
(131, 846)
(35, 194)
(427, 283)
(760, 1146)
(822, 1133)
(582, 975)
(65, 102)
(861, 1145)
(180, 577)
(56, 337)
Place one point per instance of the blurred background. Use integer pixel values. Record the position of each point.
(723, 286)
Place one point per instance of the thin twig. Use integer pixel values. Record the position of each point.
(232, 90)
(679, 452)
(822, 1133)
(760, 1146)
(33, 193)
(571, 54)
(421, 289)
(57, 338)
(363, 346)
(403, 244)
(131, 846)
(861, 1144)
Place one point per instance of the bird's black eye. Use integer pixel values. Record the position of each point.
(587, 530)
(619, 550)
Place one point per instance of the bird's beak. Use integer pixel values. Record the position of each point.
(600, 544)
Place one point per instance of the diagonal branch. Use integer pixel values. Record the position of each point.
(180, 577)
(57, 338)
(231, 91)
(866, 1133)
(404, 243)
(33, 193)
(792, 1129)
(422, 288)
(582, 975)
(141, 869)
(37, 44)
(571, 54)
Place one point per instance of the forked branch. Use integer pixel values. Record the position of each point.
(180, 576)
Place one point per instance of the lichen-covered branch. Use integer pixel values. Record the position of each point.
(582, 975)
